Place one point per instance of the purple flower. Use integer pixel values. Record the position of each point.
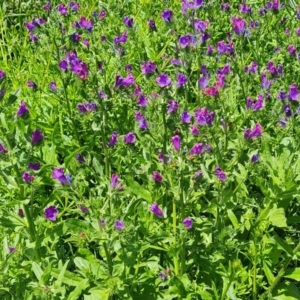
(220, 174)
(119, 225)
(142, 100)
(63, 64)
(203, 81)
(254, 158)
(200, 26)
(2, 74)
(281, 95)
(188, 223)
(194, 130)
(33, 37)
(225, 6)
(120, 39)
(52, 86)
(173, 106)
(181, 79)
(59, 174)
(102, 223)
(197, 149)
(129, 138)
(74, 6)
(167, 15)
(128, 21)
(2, 149)
(27, 177)
(36, 137)
(265, 83)
(238, 25)
(245, 9)
(62, 9)
(287, 110)
(186, 117)
(142, 121)
(113, 139)
(293, 92)
(114, 180)
(86, 107)
(80, 158)
(151, 24)
(31, 84)
(47, 6)
(253, 68)
(204, 117)
(224, 48)
(22, 109)
(255, 132)
(51, 213)
(34, 166)
(185, 40)
(163, 80)
(176, 142)
(163, 276)
(84, 209)
(156, 176)
(11, 249)
(162, 158)
(156, 210)
(292, 50)
(84, 23)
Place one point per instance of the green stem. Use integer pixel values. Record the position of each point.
(254, 285)
(175, 259)
(280, 273)
(108, 257)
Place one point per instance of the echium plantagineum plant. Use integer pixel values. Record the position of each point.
(150, 151)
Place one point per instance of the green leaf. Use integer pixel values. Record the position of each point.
(68, 278)
(13, 97)
(78, 290)
(71, 155)
(96, 294)
(286, 291)
(137, 189)
(233, 219)
(77, 226)
(37, 270)
(268, 273)
(283, 245)
(293, 274)
(277, 217)
(81, 263)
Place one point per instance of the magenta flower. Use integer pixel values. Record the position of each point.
(163, 80)
(31, 84)
(119, 225)
(27, 177)
(220, 174)
(204, 117)
(36, 137)
(200, 26)
(156, 210)
(114, 180)
(62, 9)
(188, 223)
(238, 25)
(293, 92)
(142, 121)
(84, 23)
(23, 109)
(156, 176)
(34, 166)
(120, 39)
(194, 130)
(51, 213)
(2, 74)
(292, 50)
(185, 40)
(197, 149)
(163, 158)
(11, 249)
(129, 138)
(176, 142)
(52, 86)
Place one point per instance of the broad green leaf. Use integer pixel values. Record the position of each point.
(281, 244)
(286, 291)
(81, 263)
(68, 278)
(137, 189)
(277, 217)
(233, 219)
(78, 290)
(37, 270)
(293, 274)
(96, 294)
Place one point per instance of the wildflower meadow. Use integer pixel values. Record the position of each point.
(149, 150)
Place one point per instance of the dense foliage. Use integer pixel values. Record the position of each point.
(149, 150)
